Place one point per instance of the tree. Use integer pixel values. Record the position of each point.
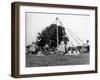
(49, 36)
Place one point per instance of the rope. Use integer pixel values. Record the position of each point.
(70, 41)
(74, 37)
(72, 44)
(69, 31)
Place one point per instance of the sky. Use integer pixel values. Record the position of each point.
(36, 22)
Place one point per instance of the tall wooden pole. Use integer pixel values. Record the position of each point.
(57, 34)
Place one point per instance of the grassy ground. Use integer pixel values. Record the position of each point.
(55, 60)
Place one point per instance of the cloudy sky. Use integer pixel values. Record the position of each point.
(78, 24)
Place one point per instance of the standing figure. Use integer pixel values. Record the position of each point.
(88, 48)
(46, 47)
(61, 47)
(32, 48)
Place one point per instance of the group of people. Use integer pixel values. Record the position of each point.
(67, 49)
(62, 49)
(34, 49)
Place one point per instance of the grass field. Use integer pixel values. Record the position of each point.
(55, 60)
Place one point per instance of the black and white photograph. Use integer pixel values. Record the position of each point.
(57, 39)
(52, 39)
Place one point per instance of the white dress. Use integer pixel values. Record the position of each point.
(32, 48)
(61, 47)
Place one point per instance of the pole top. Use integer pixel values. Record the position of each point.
(56, 18)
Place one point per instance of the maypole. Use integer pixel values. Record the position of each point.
(57, 34)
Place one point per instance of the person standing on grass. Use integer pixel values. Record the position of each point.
(46, 48)
(61, 47)
(32, 48)
(88, 48)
